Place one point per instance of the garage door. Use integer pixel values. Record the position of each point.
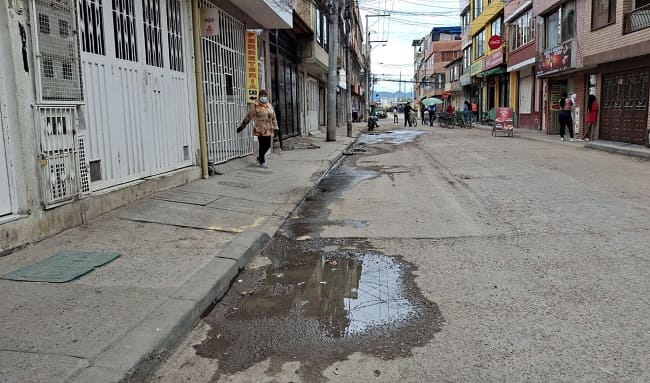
(136, 79)
(624, 107)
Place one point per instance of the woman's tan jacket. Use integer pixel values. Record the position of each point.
(264, 117)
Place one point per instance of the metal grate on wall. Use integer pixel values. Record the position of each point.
(224, 88)
(57, 50)
(57, 127)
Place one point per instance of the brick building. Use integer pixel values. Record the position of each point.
(560, 34)
(617, 48)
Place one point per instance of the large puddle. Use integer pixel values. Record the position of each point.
(396, 137)
(318, 302)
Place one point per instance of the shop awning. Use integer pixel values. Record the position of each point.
(493, 71)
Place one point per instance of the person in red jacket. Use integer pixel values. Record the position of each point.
(450, 109)
(592, 116)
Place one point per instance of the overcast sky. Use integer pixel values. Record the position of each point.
(409, 20)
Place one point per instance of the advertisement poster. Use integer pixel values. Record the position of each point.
(554, 59)
(252, 85)
(503, 120)
(555, 95)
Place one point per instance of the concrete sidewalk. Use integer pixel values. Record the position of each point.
(608, 146)
(180, 250)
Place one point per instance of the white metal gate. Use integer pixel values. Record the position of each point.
(137, 120)
(5, 190)
(312, 104)
(224, 89)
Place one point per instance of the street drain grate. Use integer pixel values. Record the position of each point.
(62, 267)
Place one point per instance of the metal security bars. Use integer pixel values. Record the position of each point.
(126, 45)
(56, 51)
(152, 32)
(637, 19)
(224, 88)
(58, 151)
(91, 26)
(175, 35)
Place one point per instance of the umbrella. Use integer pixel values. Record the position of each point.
(431, 101)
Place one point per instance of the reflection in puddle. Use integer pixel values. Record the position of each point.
(319, 301)
(347, 295)
(394, 138)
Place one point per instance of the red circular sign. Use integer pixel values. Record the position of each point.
(495, 41)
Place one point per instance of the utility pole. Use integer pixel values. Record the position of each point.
(349, 29)
(371, 87)
(332, 75)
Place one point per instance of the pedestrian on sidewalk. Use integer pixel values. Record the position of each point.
(565, 116)
(395, 116)
(266, 124)
(592, 116)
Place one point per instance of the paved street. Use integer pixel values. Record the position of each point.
(485, 259)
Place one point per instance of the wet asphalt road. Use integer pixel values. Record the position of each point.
(445, 256)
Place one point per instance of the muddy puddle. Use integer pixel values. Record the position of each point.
(319, 302)
(396, 137)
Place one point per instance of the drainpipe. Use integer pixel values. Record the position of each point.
(198, 75)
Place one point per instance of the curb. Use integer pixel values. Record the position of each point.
(617, 150)
(160, 331)
(176, 316)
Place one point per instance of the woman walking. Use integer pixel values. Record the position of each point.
(592, 116)
(266, 123)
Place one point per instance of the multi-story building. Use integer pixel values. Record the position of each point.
(559, 62)
(490, 81)
(453, 90)
(521, 58)
(616, 48)
(466, 53)
(436, 50)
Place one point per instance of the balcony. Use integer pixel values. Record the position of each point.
(636, 20)
(270, 14)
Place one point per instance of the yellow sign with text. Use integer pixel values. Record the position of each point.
(252, 76)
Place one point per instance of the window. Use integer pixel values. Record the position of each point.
(479, 44)
(603, 12)
(91, 25)
(64, 28)
(175, 35)
(552, 26)
(522, 30)
(478, 8)
(152, 32)
(497, 29)
(44, 24)
(467, 57)
(126, 47)
(568, 17)
(322, 29)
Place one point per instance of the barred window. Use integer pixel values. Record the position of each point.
(126, 45)
(175, 35)
(91, 26)
(152, 32)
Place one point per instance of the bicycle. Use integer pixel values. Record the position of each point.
(445, 120)
(461, 120)
(413, 120)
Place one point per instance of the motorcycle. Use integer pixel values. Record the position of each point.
(372, 122)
